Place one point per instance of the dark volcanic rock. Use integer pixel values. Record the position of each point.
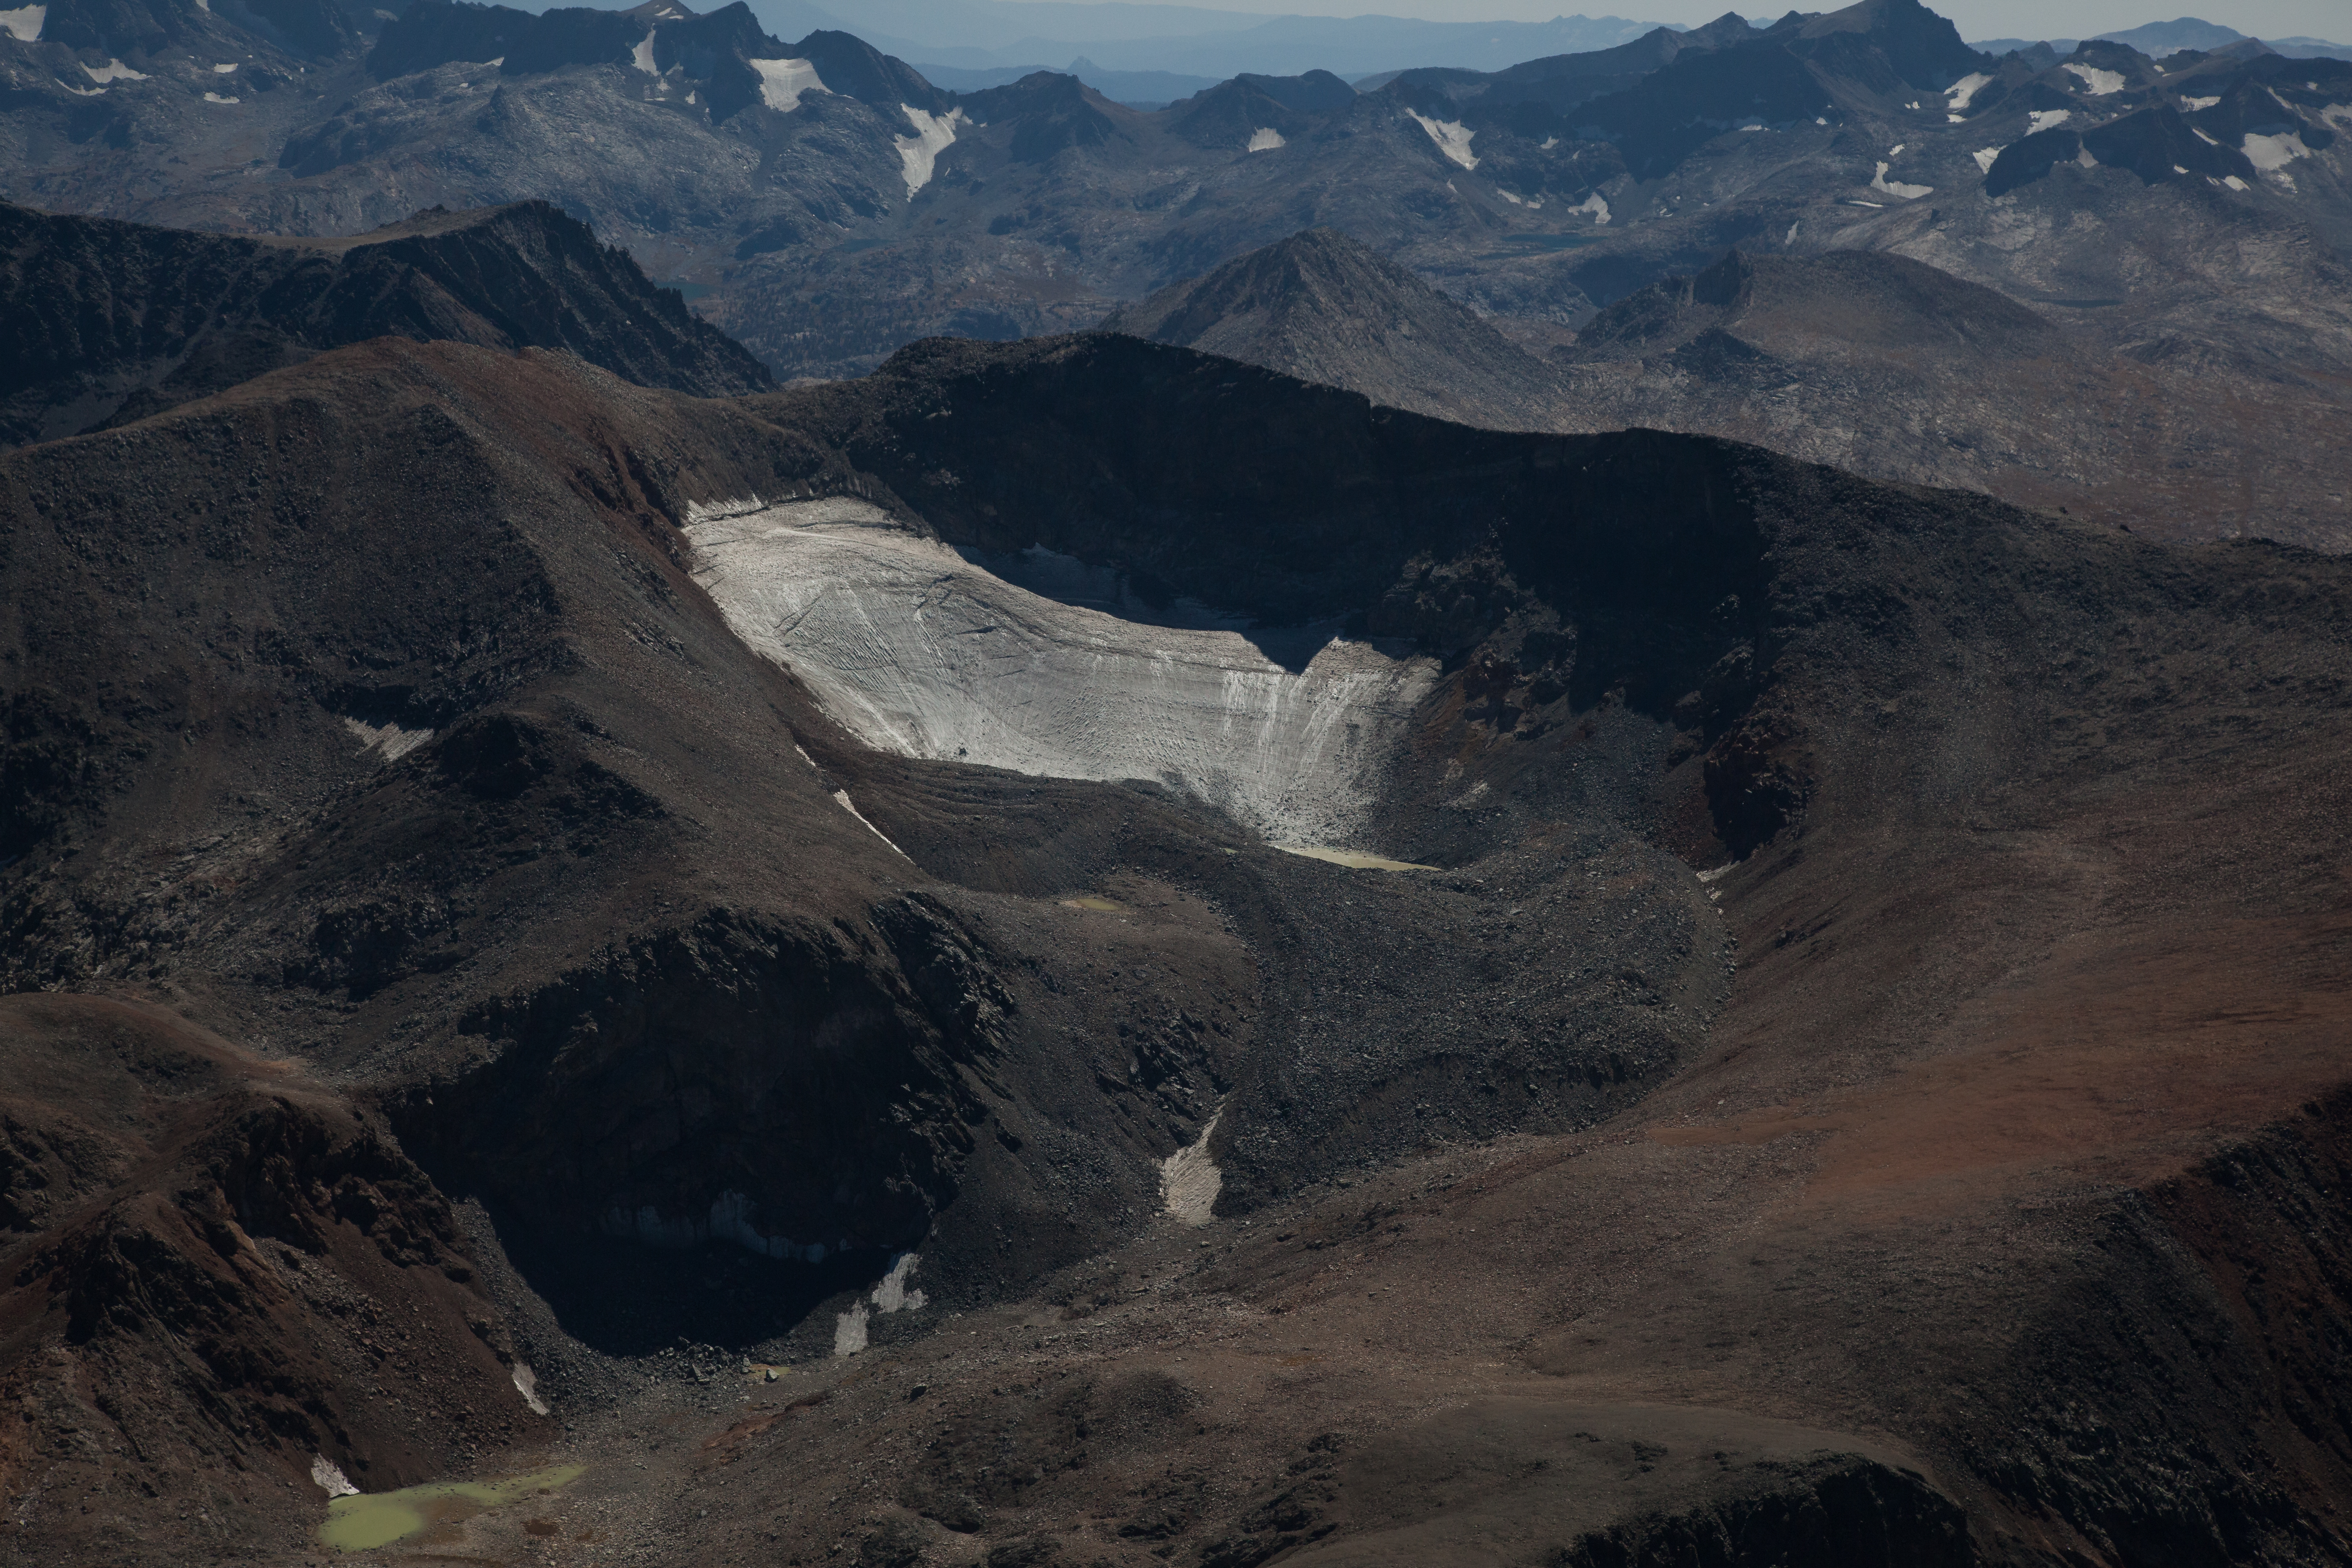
(109, 321)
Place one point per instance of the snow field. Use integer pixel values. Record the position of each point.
(918, 651)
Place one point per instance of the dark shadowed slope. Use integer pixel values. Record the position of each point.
(103, 321)
(1323, 307)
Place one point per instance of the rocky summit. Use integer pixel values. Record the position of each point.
(1590, 815)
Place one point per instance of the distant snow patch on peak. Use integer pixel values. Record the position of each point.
(1896, 150)
(2096, 82)
(1879, 182)
(24, 24)
(330, 1478)
(1509, 197)
(2193, 104)
(1597, 204)
(2202, 136)
(2234, 183)
(1549, 143)
(1986, 157)
(642, 56)
(224, 68)
(2044, 118)
(934, 135)
(2271, 153)
(217, 98)
(782, 82)
(1962, 92)
(1265, 139)
(1452, 138)
(113, 70)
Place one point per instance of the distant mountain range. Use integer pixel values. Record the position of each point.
(825, 202)
(2161, 40)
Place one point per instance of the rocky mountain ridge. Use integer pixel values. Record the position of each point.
(108, 323)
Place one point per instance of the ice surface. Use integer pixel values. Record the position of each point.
(919, 651)
(2098, 83)
(24, 24)
(934, 135)
(1265, 139)
(2044, 118)
(1958, 95)
(1451, 138)
(781, 82)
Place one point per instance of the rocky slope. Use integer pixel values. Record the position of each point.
(1321, 307)
(376, 753)
(106, 323)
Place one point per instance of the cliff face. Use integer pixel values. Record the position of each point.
(103, 322)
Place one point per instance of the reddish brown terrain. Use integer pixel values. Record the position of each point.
(420, 902)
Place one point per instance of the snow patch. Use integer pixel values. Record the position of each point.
(2044, 118)
(782, 82)
(113, 70)
(1986, 157)
(2271, 153)
(526, 1384)
(923, 651)
(934, 135)
(223, 70)
(24, 24)
(642, 56)
(1549, 143)
(1879, 182)
(1509, 197)
(841, 798)
(2086, 159)
(217, 98)
(1962, 92)
(1896, 150)
(1265, 139)
(330, 1476)
(1190, 1180)
(2235, 184)
(1597, 204)
(2193, 104)
(1790, 237)
(1451, 138)
(393, 740)
(2096, 82)
(889, 1295)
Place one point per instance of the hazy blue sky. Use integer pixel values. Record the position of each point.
(1976, 18)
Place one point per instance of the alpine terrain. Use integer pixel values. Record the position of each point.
(751, 813)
